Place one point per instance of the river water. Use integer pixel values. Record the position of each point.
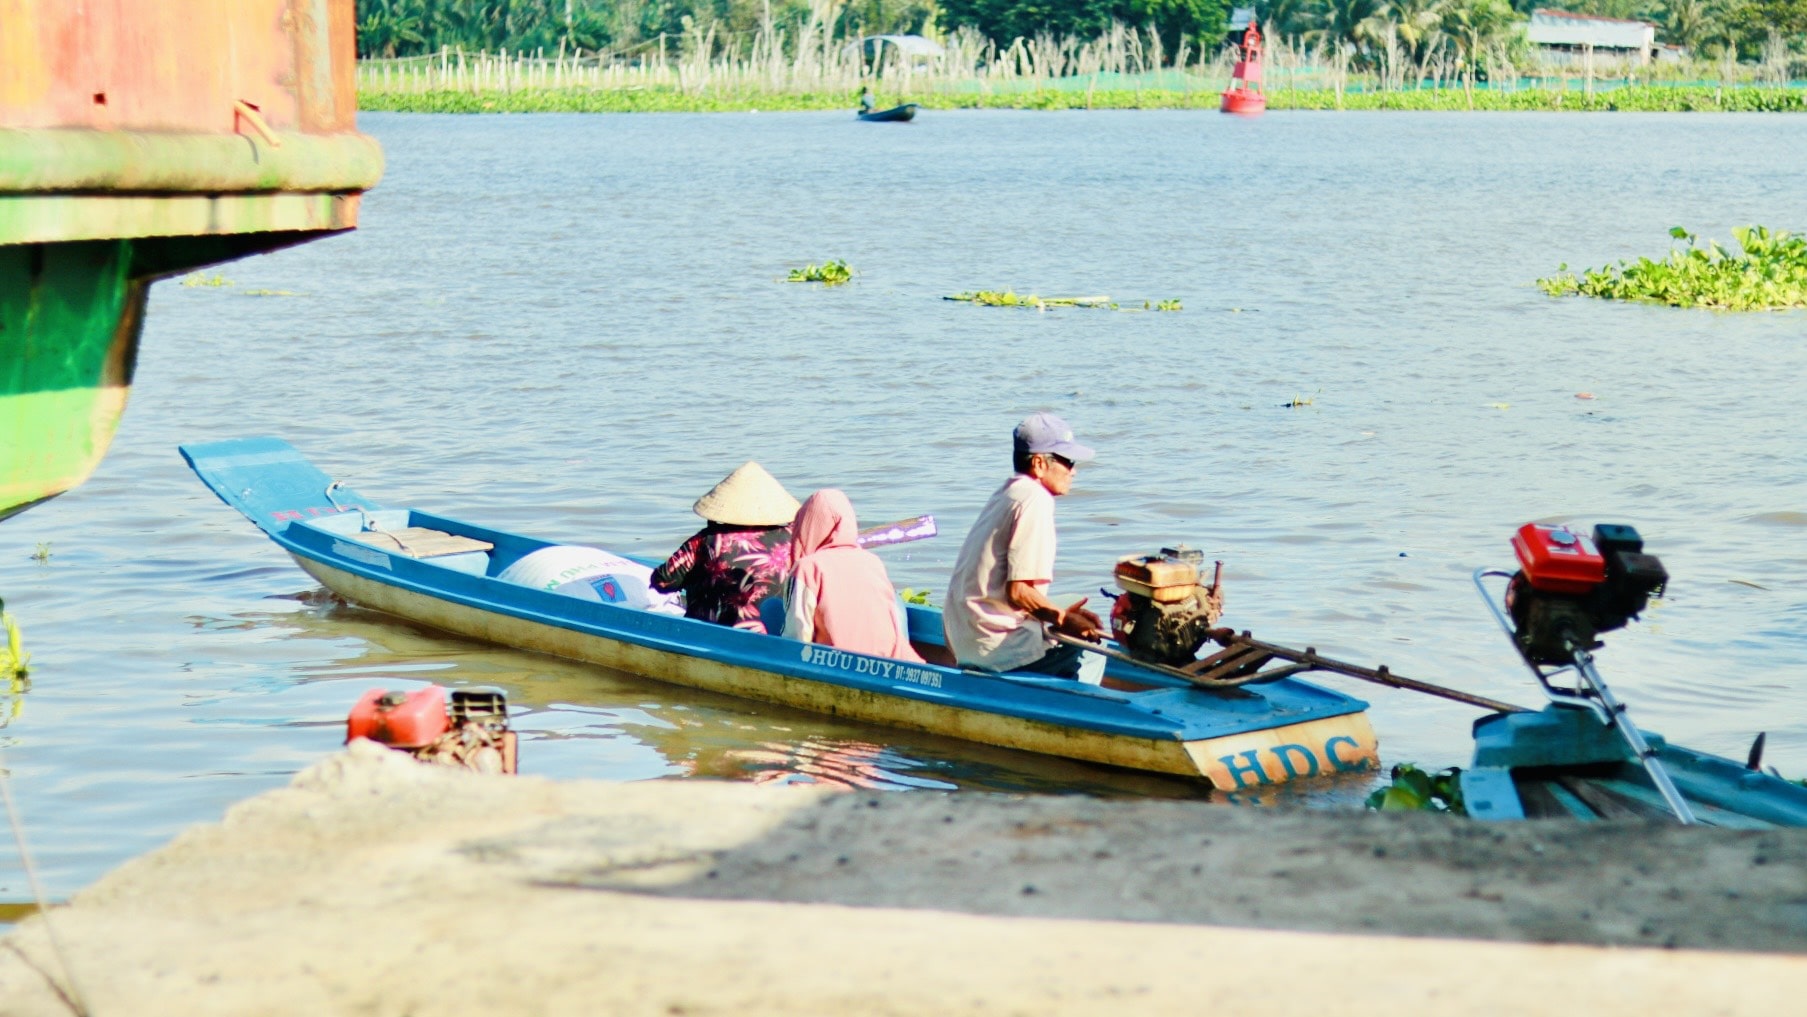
(574, 325)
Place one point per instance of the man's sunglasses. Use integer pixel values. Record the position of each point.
(1062, 460)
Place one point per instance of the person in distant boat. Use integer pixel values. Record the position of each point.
(839, 592)
(866, 103)
(998, 613)
(740, 558)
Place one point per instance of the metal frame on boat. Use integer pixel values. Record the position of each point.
(1238, 739)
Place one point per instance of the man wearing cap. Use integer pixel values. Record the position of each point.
(998, 612)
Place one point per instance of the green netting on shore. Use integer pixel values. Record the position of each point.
(1202, 95)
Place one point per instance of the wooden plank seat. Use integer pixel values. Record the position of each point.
(421, 542)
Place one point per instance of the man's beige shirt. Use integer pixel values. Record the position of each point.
(1011, 541)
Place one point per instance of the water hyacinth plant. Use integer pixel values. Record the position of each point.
(1769, 273)
(829, 273)
(14, 661)
(1010, 298)
(1414, 790)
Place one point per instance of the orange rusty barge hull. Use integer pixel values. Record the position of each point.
(138, 141)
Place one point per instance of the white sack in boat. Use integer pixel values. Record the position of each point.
(590, 573)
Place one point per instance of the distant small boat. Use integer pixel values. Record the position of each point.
(896, 114)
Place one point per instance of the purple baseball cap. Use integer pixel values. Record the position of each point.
(1045, 432)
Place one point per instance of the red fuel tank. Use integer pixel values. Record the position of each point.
(1556, 559)
(404, 720)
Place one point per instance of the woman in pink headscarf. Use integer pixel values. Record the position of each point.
(839, 592)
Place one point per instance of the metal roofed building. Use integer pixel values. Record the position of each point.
(909, 50)
(1567, 39)
(1240, 17)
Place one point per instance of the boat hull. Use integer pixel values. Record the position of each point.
(138, 141)
(1562, 762)
(1238, 762)
(70, 317)
(895, 115)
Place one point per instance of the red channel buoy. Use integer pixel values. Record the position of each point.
(1244, 94)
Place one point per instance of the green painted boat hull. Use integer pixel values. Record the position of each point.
(70, 316)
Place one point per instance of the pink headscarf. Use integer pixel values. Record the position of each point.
(856, 606)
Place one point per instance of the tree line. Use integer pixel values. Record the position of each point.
(1365, 30)
(1744, 29)
(390, 28)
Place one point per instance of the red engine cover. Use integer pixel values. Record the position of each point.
(402, 720)
(1556, 559)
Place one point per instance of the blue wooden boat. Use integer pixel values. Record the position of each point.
(896, 114)
(441, 572)
(1564, 761)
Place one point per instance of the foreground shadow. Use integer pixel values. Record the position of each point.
(1604, 883)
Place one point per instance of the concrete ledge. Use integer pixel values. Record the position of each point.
(374, 885)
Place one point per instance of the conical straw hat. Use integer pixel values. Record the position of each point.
(748, 497)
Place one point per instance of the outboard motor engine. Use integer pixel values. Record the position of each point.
(1163, 615)
(1570, 589)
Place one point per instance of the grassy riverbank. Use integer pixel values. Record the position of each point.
(1642, 99)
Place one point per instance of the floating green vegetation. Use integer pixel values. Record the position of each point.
(1414, 790)
(911, 595)
(1769, 273)
(42, 554)
(1010, 298)
(203, 279)
(14, 661)
(829, 273)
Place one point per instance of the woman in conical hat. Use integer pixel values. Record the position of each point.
(742, 557)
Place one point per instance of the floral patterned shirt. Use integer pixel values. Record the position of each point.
(725, 571)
